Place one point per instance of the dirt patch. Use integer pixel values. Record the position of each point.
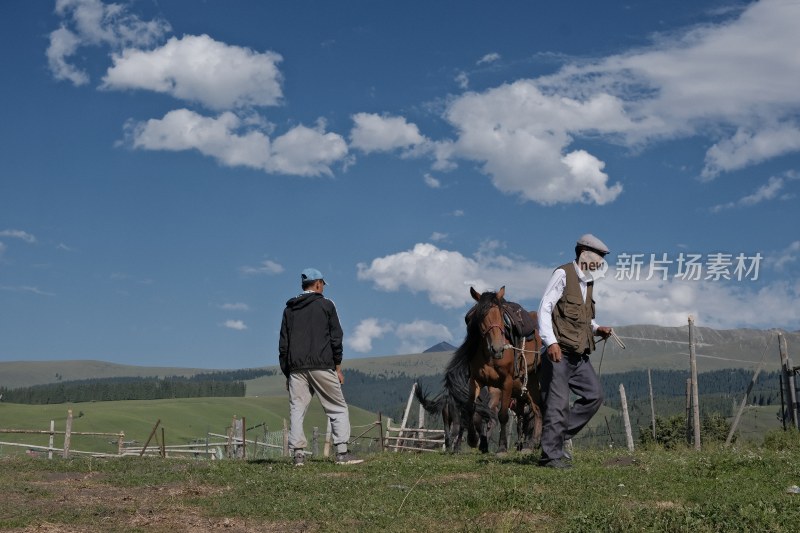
(514, 520)
(109, 508)
(453, 477)
(620, 461)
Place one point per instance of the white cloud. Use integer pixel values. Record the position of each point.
(670, 303)
(521, 136)
(63, 44)
(238, 306)
(733, 83)
(768, 191)
(747, 148)
(92, 23)
(414, 336)
(445, 277)
(462, 79)
(432, 182)
(376, 133)
(418, 335)
(200, 69)
(238, 325)
(437, 236)
(233, 141)
(788, 255)
(266, 267)
(488, 58)
(304, 151)
(741, 74)
(365, 333)
(26, 288)
(18, 234)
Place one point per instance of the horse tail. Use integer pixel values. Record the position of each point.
(433, 406)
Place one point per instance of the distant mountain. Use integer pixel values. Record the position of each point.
(441, 347)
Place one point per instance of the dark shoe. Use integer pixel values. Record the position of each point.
(347, 458)
(299, 459)
(555, 463)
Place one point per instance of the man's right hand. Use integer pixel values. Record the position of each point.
(554, 352)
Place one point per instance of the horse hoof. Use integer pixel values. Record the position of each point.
(526, 451)
(501, 454)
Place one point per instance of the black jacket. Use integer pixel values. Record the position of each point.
(311, 336)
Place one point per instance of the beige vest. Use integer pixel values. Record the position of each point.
(572, 317)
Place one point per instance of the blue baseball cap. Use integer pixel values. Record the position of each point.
(312, 274)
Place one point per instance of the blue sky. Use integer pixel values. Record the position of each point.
(168, 168)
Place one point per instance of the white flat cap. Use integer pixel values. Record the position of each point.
(590, 241)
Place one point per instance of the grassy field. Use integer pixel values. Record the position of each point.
(739, 489)
(182, 419)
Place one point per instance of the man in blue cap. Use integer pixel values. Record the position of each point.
(310, 355)
(567, 328)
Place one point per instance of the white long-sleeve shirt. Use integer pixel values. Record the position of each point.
(552, 294)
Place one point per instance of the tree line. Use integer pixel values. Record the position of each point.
(203, 385)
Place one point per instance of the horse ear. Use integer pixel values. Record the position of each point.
(501, 292)
(475, 294)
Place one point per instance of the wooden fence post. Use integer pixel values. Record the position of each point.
(52, 435)
(152, 434)
(625, 419)
(743, 404)
(67, 434)
(285, 439)
(244, 438)
(695, 394)
(326, 450)
(380, 430)
(121, 443)
(789, 381)
(405, 416)
(652, 405)
(688, 411)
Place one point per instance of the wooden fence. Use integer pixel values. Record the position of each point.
(66, 449)
(239, 442)
(408, 438)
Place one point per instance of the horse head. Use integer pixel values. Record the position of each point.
(487, 317)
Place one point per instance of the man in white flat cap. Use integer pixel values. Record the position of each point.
(567, 328)
(310, 354)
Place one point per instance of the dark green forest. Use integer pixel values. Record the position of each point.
(204, 385)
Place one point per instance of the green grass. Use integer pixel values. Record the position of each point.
(739, 489)
(182, 419)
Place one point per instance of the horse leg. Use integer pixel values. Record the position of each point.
(502, 417)
(535, 393)
(472, 433)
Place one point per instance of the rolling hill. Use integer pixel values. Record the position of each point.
(653, 347)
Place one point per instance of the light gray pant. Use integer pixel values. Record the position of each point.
(574, 373)
(325, 383)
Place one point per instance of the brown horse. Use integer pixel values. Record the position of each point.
(496, 359)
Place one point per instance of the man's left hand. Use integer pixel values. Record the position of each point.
(340, 374)
(603, 331)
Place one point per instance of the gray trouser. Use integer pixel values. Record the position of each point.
(573, 373)
(326, 384)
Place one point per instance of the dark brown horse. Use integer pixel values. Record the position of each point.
(495, 358)
(451, 403)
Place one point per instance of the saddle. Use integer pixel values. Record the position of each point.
(519, 322)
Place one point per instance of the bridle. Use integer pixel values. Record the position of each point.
(486, 329)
